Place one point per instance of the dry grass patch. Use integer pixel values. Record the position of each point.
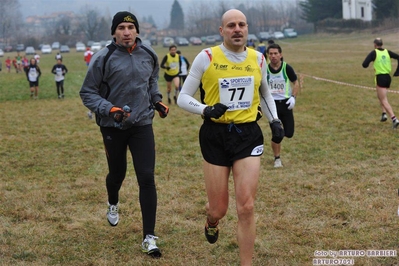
(337, 190)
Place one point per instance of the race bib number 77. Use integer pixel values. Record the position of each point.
(237, 93)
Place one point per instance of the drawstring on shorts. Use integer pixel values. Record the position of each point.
(232, 125)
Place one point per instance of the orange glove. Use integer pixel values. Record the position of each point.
(119, 114)
(162, 109)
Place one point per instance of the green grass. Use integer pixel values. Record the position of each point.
(337, 190)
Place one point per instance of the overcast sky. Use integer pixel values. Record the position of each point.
(158, 9)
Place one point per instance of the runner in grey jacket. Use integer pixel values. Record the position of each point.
(127, 78)
(121, 88)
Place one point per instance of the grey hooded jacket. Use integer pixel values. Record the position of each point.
(125, 79)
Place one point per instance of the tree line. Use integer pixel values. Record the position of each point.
(201, 18)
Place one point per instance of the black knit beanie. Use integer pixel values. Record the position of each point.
(124, 16)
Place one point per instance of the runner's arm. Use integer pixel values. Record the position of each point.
(370, 58)
(186, 98)
(266, 99)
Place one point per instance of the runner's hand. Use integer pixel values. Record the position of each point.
(291, 103)
(215, 111)
(277, 131)
(162, 109)
(119, 114)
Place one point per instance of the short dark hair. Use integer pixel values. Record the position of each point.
(172, 46)
(274, 46)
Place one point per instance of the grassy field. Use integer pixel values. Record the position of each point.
(337, 190)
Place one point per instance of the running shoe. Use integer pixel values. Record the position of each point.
(112, 214)
(149, 246)
(89, 115)
(211, 233)
(384, 117)
(278, 163)
(395, 124)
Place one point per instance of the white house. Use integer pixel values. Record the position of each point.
(357, 9)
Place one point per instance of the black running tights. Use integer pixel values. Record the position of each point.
(140, 141)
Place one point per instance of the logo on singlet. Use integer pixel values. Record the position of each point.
(220, 67)
(225, 84)
(249, 68)
(236, 68)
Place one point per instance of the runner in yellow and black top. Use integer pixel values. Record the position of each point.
(172, 65)
(232, 81)
(382, 66)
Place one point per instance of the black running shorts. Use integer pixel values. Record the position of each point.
(34, 83)
(222, 144)
(169, 78)
(383, 80)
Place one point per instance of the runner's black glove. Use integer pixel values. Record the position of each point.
(215, 111)
(277, 131)
(396, 74)
(162, 109)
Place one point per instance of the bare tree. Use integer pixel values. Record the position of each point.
(203, 18)
(9, 10)
(91, 23)
(63, 26)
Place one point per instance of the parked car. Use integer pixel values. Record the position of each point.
(218, 38)
(289, 33)
(20, 47)
(30, 50)
(278, 35)
(154, 40)
(195, 41)
(8, 48)
(253, 38)
(103, 43)
(210, 40)
(55, 45)
(64, 49)
(1, 53)
(181, 41)
(80, 47)
(96, 46)
(264, 36)
(46, 49)
(167, 41)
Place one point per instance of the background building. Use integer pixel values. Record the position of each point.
(357, 9)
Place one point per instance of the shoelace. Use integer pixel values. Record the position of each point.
(149, 242)
(151, 239)
(113, 209)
